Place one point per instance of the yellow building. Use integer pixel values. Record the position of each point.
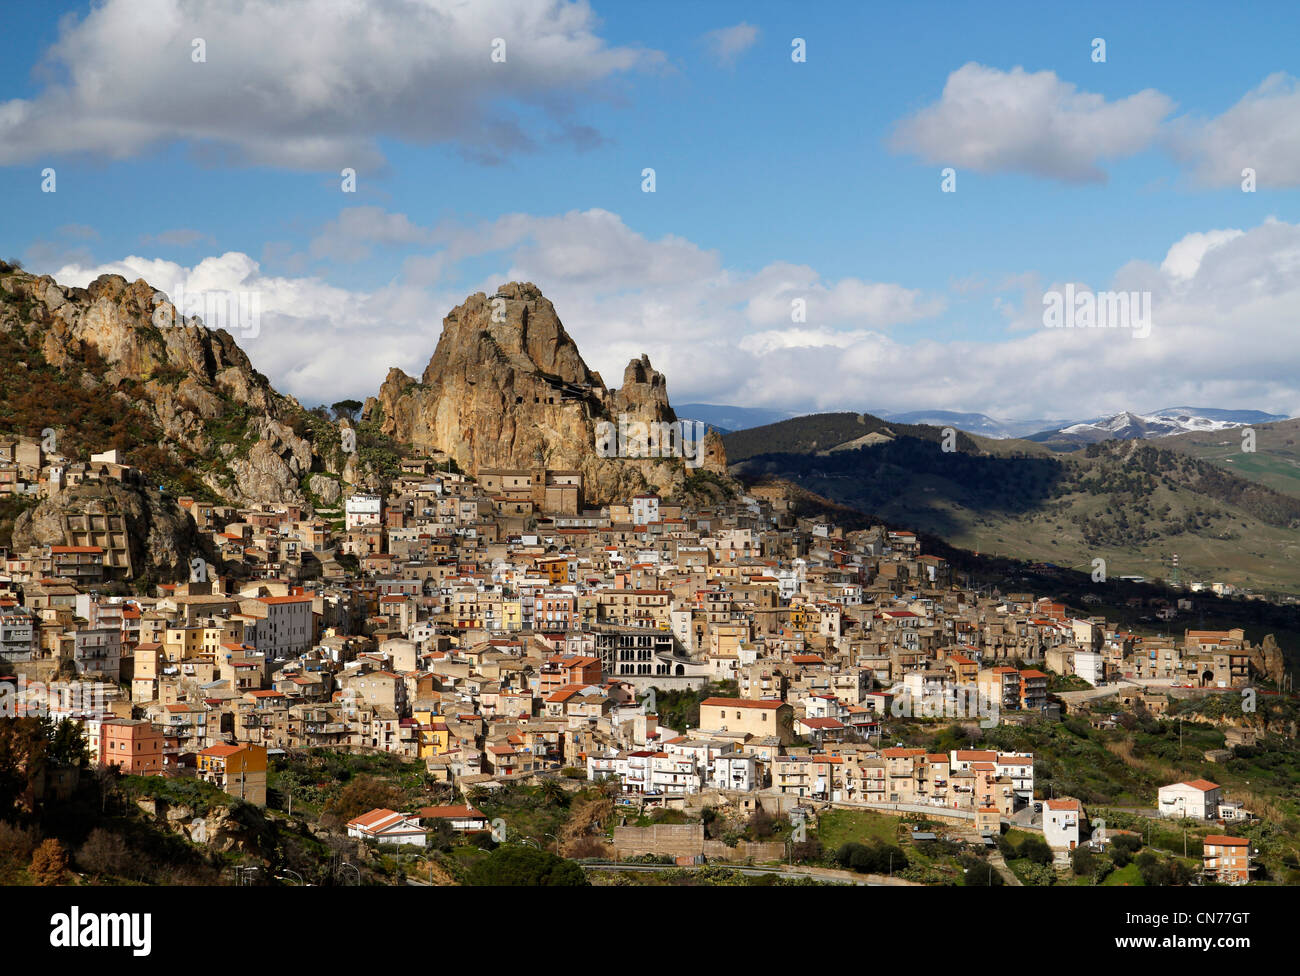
(760, 718)
(239, 770)
(435, 738)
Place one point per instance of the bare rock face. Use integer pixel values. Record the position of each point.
(1268, 660)
(161, 536)
(325, 488)
(195, 384)
(715, 454)
(507, 388)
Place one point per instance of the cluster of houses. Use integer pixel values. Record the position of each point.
(493, 628)
(1225, 859)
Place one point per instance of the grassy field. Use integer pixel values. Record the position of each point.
(1127, 875)
(836, 828)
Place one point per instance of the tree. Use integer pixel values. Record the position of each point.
(511, 865)
(363, 794)
(49, 863)
(104, 852)
(68, 744)
(553, 793)
(16, 843)
(876, 858)
(1036, 850)
(345, 409)
(1083, 861)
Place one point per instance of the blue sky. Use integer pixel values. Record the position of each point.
(775, 180)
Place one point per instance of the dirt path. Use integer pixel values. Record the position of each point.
(1004, 869)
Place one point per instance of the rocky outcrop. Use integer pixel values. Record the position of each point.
(213, 413)
(161, 538)
(215, 828)
(715, 454)
(1268, 661)
(507, 388)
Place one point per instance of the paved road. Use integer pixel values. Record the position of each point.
(785, 872)
(1000, 865)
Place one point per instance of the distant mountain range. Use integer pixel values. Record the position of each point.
(1229, 515)
(1127, 426)
(727, 419)
(1057, 433)
(974, 423)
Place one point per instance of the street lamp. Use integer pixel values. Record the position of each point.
(348, 864)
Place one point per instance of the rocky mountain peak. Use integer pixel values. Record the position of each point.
(506, 387)
(182, 401)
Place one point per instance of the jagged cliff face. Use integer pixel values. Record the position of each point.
(114, 365)
(507, 388)
(188, 394)
(162, 538)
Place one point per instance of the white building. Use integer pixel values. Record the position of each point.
(1088, 666)
(673, 775)
(98, 651)
(1019, 768)
(1062, 822)
(387, 827)
(363, 510)
(645, 509)
(734, 771)
(1197, 799)
(286, 630)
(17, 635)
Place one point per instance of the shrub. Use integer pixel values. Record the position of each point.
(1037, 874)
(1083, 861)
(875, 858)
(49, 863)
(16, 843)
(1036, 850)
(104, 852)
(510, 865)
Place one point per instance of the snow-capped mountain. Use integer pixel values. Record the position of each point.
(1127, 426)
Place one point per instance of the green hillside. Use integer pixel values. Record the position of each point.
(1275, 462)
(1129, 502)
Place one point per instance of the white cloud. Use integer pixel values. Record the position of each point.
(1222, 333)
(316, 341)
(1261, 132)
(1185, 256)
(315, 84)
(990, 120)
(726, 44)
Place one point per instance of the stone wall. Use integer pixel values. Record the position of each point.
(687, 840)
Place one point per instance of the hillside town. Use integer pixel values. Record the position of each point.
(495, 629)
